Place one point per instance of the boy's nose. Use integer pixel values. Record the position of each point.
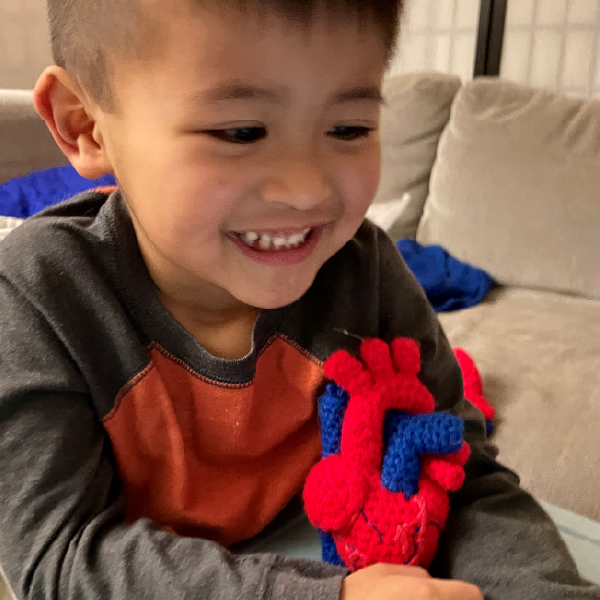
(298, 183)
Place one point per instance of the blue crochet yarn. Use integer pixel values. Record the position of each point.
(329, 551)
(407, 437)
(332, 408)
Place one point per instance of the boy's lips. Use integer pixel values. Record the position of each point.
(277, 247)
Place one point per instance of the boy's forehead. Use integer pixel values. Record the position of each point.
(222, 22)
(223, 35)
(210, 54)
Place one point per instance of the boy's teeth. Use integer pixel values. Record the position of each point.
(250, 237)
(266, 241)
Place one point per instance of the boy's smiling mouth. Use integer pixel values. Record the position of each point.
(277, 246)
(273, 240)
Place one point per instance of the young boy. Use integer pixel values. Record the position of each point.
(162, 345)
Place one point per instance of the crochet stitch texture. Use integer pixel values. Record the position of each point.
(380, 493)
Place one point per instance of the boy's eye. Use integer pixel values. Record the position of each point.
(239, 135)
(350, 133)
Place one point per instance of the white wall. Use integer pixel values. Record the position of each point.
(24, 42)
(554, 44)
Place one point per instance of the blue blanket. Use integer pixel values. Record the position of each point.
(448, 283)
(25, 196)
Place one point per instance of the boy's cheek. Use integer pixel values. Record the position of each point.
(359, 192)
(359, 177)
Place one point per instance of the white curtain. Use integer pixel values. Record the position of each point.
(554, 44)
(438, 35)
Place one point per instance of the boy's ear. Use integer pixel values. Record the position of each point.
(59, 100)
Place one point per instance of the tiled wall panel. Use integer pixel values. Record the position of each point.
(554, 44)
(438, 35)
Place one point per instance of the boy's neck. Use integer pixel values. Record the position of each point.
(224, 332)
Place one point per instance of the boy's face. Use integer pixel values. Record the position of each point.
(247, 153)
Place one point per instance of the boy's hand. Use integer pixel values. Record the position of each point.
(391, 582)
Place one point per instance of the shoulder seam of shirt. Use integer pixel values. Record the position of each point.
(125, 390)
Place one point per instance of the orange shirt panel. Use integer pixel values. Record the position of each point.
(214, 461)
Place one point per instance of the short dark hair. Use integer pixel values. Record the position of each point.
(87, 33)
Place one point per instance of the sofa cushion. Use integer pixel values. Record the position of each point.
(516, 187)
(7, 224)
(418, 109)
(25, 142)
(539, 353)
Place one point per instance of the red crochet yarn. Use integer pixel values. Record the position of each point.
(473, 384)
(344, 495)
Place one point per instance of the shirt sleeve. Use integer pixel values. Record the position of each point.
(497, 536)
(62, 527)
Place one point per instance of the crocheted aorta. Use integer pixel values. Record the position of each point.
(380, 493)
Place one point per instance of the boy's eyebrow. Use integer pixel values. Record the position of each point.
(239, 91)
(359, 93)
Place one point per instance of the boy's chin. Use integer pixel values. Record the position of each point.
(273, 297)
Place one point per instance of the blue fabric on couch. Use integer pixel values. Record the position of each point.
(448, 283)
(24, 196)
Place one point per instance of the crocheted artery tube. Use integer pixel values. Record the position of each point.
(380, 493)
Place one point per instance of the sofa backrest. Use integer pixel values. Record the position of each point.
(25, 142)
(416, 112)
(516, 187)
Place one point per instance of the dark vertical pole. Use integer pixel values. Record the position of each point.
(497, 36)
(490, 37)
(483, 37)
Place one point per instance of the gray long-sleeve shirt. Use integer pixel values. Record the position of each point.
(83, 509)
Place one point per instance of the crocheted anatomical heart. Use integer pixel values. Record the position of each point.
(380, 493)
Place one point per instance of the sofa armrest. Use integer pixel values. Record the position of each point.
(25, 142)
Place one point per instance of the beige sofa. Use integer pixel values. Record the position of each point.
(508, 179)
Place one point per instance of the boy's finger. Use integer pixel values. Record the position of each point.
(389, 570)
(405, 571)
(457, 590)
